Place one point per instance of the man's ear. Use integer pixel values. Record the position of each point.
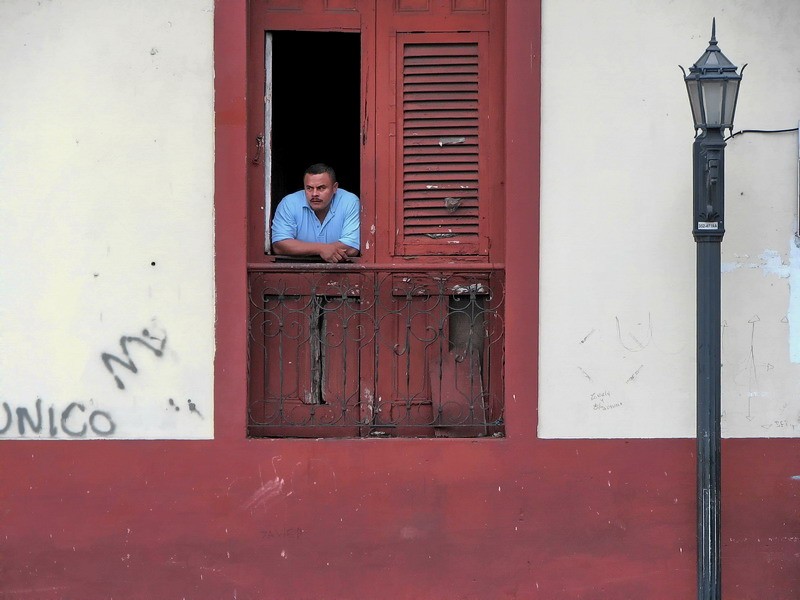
(335, 186)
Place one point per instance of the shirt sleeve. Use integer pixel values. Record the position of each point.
(284, 225)
(351, 228)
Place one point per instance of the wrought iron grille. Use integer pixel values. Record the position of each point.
(348, 351)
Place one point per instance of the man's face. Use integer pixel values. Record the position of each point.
(319, 192)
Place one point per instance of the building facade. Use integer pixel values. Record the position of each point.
(495, 400)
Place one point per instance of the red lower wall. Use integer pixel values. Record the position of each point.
(441, 519)
(389, 518)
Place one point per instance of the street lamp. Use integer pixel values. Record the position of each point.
(713, 86)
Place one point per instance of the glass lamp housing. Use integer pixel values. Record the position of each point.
(713, 86)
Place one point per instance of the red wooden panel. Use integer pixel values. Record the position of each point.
(412, 5)
(311, 15)
(338, 5)
(280, 357)
(308, 8)
(281, 4)
(470, 5)
(409, 342)
(440, 15)
(434, 379)
(439, 157)
(415, 136)
(457, 392)
(341, 359)
(304, 356)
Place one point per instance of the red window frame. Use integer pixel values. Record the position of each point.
(384, 27)
(521, 74)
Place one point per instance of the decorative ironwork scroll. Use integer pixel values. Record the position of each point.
(356, 351)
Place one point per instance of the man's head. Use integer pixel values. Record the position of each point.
(319, 183)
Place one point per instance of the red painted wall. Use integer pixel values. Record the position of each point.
(511, 518)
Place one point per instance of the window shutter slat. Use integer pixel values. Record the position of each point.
(439, 183)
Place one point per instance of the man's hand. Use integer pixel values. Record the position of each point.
(334, 253)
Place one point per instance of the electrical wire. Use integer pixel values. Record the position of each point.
(741, 131)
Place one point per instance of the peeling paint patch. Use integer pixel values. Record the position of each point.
(476, 288)
(769, 261)
(772, 264)
(731, 266)
(452, 204)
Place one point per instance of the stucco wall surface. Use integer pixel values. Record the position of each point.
(617, 255)
(106, 239)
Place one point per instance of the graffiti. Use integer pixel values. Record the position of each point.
(127, 363)
(192, 407)
(599, 406)
(603, 401)
(646, 333)
(74, 421)
(635, 374)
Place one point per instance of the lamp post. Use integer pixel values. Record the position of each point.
(713, 86)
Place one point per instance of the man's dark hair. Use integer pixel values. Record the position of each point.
(319, 169)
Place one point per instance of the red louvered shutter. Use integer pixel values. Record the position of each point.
(442, 207)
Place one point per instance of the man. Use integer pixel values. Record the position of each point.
(319, 220)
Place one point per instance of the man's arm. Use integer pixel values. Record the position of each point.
(332, 253)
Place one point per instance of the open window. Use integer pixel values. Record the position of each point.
(404, 100)
(312, 82)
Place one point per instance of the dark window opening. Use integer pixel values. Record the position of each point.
(314, 113)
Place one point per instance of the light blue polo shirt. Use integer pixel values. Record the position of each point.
(294, 220)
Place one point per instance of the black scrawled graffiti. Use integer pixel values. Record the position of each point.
(109, 360)
(74, 420)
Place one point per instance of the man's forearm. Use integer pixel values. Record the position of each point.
(297, 248)
(334, 252)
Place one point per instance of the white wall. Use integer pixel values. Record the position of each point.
(618, 259)
(106, 226)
